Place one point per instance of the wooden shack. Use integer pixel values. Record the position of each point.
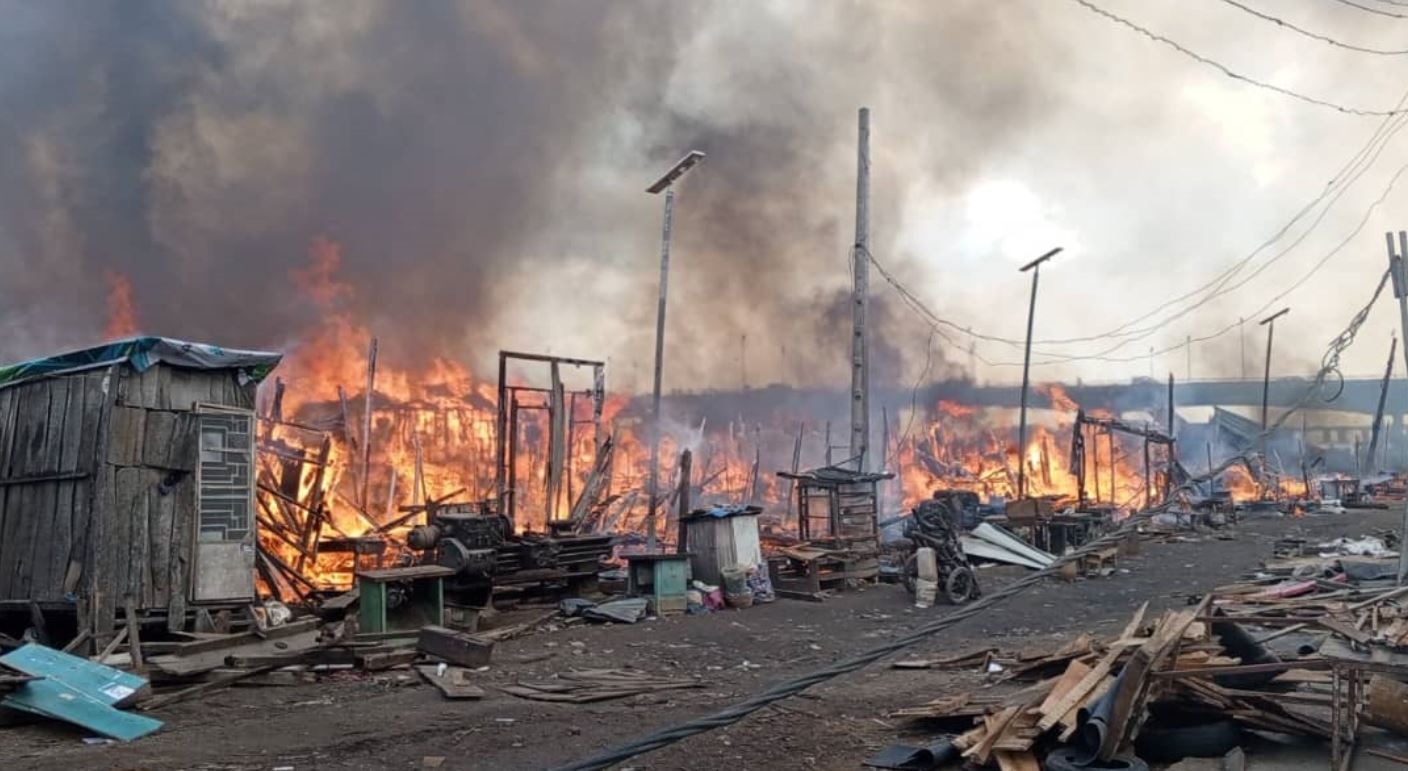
(126, 480)
(838, 523)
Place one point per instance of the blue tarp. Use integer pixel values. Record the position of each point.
(724, 511)
(143, 353)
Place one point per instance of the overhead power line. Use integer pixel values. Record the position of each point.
(1370, 9)
(936, 323)
(1314, 35)
(1355, 167)
(1225, 70)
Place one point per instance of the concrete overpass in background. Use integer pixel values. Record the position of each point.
(1359, 395)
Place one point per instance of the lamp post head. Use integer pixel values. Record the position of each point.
(689, 161)
(1040, 260)
(1274, 316)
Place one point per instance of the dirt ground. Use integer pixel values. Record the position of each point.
(393, 720)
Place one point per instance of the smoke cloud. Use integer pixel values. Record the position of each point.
(482, 166)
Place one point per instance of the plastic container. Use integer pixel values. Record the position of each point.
(924, 592)
(735, 579)
(743, 600)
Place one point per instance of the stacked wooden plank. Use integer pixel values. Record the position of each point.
(1096, 695)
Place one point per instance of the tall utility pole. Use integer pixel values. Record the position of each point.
(1242, 333)
(860, 290)
(1373, 455)
(1400, 290)
(1188, 343)
(664, 184)
(1270, 323)
(1035, 267)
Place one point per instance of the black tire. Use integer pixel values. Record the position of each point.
(961, 586)
(1064, 759)
(1174, 743)
(910, 573)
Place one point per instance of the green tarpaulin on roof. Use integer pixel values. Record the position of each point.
(143, 353)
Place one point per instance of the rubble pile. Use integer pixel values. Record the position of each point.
(1312, 644)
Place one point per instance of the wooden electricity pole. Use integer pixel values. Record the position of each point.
(367, 427)
(860, 289)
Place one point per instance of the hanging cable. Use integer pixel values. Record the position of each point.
(1314, 35)
(1105, 355)
(1093, 8)
(1363, 160)
(1369, 9)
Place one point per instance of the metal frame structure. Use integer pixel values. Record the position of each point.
(1108, 427)
(560, 405)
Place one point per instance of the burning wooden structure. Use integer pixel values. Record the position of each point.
(838, 522)
(1159, 473)
(126, 480)
(326, 515)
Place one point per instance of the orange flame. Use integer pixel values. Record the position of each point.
(122, 317)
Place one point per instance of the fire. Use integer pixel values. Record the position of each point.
(965, 448)
(122, 317)
(349, 450)
(1244, 488)
(1060, 400)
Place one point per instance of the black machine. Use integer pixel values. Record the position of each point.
(479, 544)
(938, 523)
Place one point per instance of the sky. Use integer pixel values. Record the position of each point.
(482, 166)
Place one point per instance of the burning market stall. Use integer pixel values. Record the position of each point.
(337, 502)
(125, 481)
(837, 521)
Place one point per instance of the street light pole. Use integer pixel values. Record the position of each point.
(1270, 323)
(665, 184)
(1400, 290)
(1035, 267)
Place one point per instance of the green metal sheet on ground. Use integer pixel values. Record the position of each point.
(76, 690)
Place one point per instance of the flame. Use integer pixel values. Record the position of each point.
(965, 448)
(327, 474)
(122, 317)
(1060, 400)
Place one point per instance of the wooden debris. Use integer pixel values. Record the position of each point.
(460, 648)
(960, 661)
(453, 683)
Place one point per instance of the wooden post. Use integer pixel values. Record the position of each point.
(1095, 457)
(134, 637)
(1148, 488)
(367, 426)
(682, 541)
(796, 463)
(1113, 497)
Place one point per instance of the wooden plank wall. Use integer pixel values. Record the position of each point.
(47, 432)
(97, 490)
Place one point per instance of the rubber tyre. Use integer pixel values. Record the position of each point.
(961, 586)
(1201, 740)
(1064, 759)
